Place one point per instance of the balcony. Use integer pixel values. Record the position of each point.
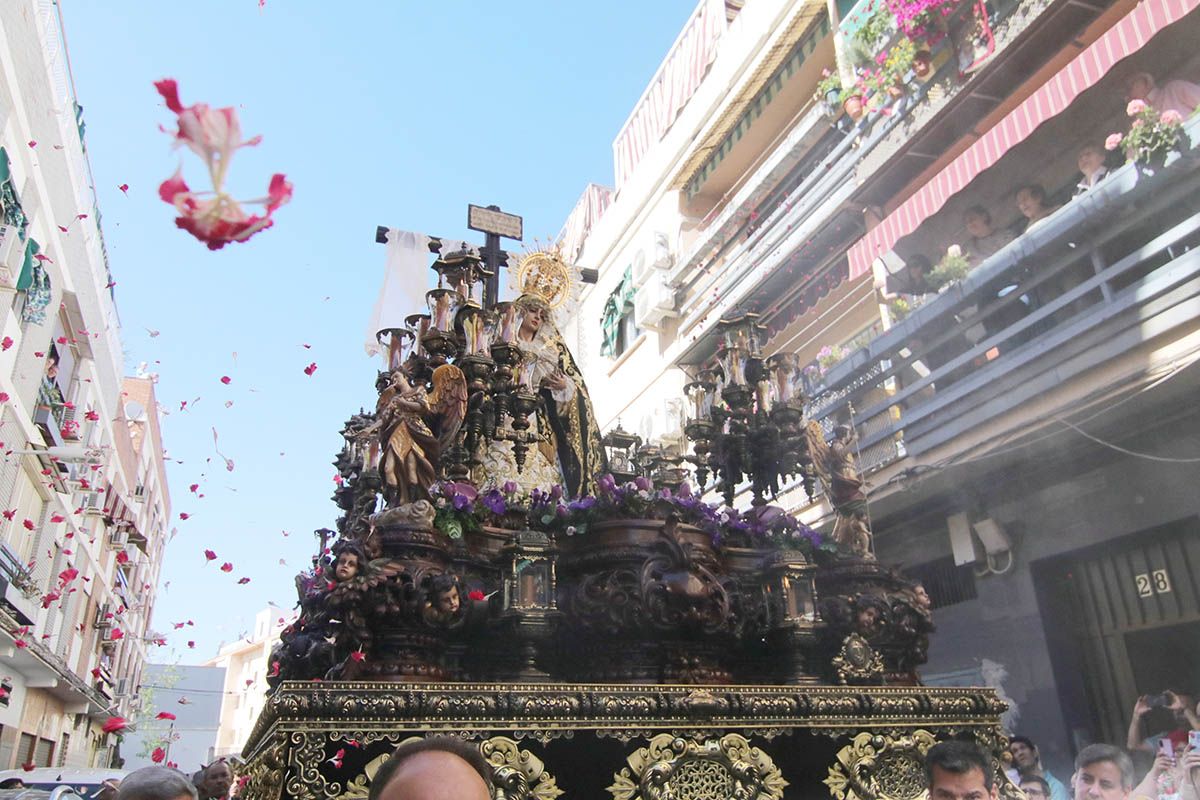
(1096, 302)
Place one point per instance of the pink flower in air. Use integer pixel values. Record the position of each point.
(158, 755)
(114, 725)
(165, 715)
(1171, 117)
(1113, 141)
(214, 134)
(1135, 107)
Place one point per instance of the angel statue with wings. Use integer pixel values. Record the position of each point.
(415, 428)
(835, 465)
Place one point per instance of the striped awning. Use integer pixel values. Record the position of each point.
(1052, 98)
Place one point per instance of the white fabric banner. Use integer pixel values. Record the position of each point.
(404, 280)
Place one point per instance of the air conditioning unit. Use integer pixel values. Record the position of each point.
(654, 302)
(118, 538)
(93, 505)
(12, 256)
(103, 620)
(652, 259)
(124, 688)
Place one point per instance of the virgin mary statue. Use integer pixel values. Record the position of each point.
(567, 449)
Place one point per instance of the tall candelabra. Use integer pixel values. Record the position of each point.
(747, 414)
(481, 341)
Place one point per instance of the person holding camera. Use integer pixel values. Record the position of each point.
(1181, 707)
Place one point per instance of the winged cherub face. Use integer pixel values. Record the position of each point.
(346, 567)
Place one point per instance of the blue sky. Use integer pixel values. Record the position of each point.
(380, 113)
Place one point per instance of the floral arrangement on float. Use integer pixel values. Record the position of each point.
(463, 509)
(1152, 135)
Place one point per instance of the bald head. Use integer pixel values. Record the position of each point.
(436, 768)
(435, 775)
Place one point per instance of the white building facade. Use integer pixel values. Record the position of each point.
(82, 481)
(247, 664)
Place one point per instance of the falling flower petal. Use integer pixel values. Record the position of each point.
(310, 369)
(158, 755)
(209, 555)
(227, 567)
(165, 715)
(114, 725)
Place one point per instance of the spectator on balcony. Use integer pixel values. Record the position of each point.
(1091, 165)
(1177, 95)
(1033, 204)
(1028, 762)
(985, 240)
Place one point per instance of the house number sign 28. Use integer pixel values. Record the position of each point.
(1152, 583)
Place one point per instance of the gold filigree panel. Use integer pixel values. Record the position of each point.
(878, 766)
(674, 768)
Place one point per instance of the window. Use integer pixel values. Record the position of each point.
(944, 582)
(617, 323)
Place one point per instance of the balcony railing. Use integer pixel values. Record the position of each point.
(1095, 280)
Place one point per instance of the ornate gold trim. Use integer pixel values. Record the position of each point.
(857, 662)
(689, 769)
(877, 766)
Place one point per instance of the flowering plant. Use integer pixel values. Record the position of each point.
(770, 526)
(875, 27)
(69, 429)
(460, 507)
(954, 266)
(830, 82)
(921, 20)
(637, 499)
(1151, 136)
(214, 134)
(895, 63)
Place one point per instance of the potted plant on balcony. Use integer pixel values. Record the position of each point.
(953, 267)
(923, 21)
(894, 66)
(1152, 135)
(829, 92)
(874, 29)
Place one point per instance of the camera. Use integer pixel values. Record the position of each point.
(1159, 700)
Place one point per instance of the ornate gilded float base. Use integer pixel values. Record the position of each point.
(320, 741)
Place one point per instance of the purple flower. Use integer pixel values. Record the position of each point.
(461, 502)
(510, 487)
(607, 483)
(583, 503)
(493, 501)
(461, 488)
(643, 483)
(562, 511)
(556, 491)
(684, 491)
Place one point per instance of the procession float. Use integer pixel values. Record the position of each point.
(603, 618)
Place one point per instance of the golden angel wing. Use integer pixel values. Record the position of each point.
(818, 449)
(449, 402)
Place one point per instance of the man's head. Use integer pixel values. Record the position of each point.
(959, 771)
(437, 768)
(1090, 159)
(1035, 787)
(978, 222)
(156, 783)
(1024, 753)
(1138, 86)
(215, 780)
(1102, 772)
(1031, 201)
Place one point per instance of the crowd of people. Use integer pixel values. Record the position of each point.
(1033, 204)
(1107, 772)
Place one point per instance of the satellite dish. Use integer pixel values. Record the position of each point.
(134, 410)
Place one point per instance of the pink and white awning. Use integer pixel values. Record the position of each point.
(671, 87)
(1128, 36)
